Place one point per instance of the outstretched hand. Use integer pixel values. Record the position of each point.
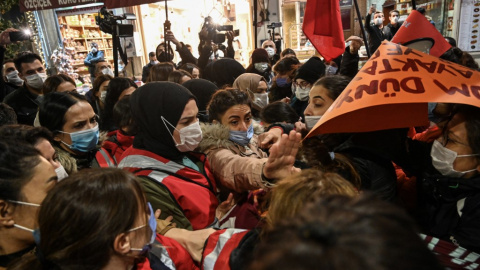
(282, 157)
(5, 36)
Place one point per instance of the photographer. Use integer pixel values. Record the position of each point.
(182, 49)
(209, 37)
(93, 57)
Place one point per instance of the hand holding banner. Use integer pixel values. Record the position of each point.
(392, 91)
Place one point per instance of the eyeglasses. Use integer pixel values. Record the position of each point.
(302, 85)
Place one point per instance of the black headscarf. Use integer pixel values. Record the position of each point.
(202, 90)
(148, 104)
(223, 72)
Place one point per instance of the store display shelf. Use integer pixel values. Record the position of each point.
(80, 51)
(90, 26)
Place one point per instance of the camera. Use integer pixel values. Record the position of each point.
(213, 30)
(107, 21)
(274, 25)
(20, 35)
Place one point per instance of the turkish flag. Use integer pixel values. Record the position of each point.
(416, 28)
(322, 24)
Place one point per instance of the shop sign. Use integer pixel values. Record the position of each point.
(393, 88)
(30, 5)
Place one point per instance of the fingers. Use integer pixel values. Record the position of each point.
(157, 213)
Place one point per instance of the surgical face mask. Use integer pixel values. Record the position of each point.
(260, 99)
(190, 136)
(36, 80)
(443, 159)
(394, 20)
(330, 70)
(261, 67)
(94, 50)
(242, 137)
(152, 223)
(219, 54)
(27, 204)
(83, 141)
(61, 173)
(154, 62)
(107, 71)
(270, 51)
(302, 94)
(281, 82)
(310, 121)
(12, 77)
(378, 21)
(103, 96)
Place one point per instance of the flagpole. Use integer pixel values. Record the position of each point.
(359, 16)
(255, 9)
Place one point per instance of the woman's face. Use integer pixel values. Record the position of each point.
(34, 191)
(318, 102)
(103, 88)
(66, 87)
(48, 152)
(262, 87)
(456, 139)
(188, 117)
(237, 118)
(127, 92)
(195, 73)
(78, 117)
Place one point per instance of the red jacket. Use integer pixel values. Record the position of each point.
(194, 192)
(219, 247)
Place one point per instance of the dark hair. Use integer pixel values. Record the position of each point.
(114, 91)
(160, 72)
(51, 83)
(17, 162)
(472, 125)
(177, 75)
(222, 100)
(25, 57)
(451, 41)
(98, 82)
(9, 60)
(7, 115)
(28, 134)
(421, 10)
(334, 84)
(82, 216)
(288, 51)
(277, 112)
(340, 232)
(189, 67)
(55, 105)
(460, 57)
(122, 115)
(150, 54)
(285, 65)
(392, 11)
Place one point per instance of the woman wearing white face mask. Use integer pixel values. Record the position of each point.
(449, 188)
(304, 78)
(176, 180)
(256, 88)
(25, 179)
(74, 125)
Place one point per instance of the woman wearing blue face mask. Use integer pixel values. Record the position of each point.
(25, 179)
(238, 163)
(96, 219)
(74, 125)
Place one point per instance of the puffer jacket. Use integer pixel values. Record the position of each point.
(237, 168)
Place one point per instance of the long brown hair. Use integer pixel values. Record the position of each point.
(81, 217)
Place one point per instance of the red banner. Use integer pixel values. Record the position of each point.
(322, 24)
(393, 88)
(417, 27)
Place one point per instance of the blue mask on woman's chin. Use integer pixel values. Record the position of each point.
(281, 82)
(242, 137)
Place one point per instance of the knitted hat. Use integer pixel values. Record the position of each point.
(311, 71)
(259, 56)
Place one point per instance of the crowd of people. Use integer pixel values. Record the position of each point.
(207, 166)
